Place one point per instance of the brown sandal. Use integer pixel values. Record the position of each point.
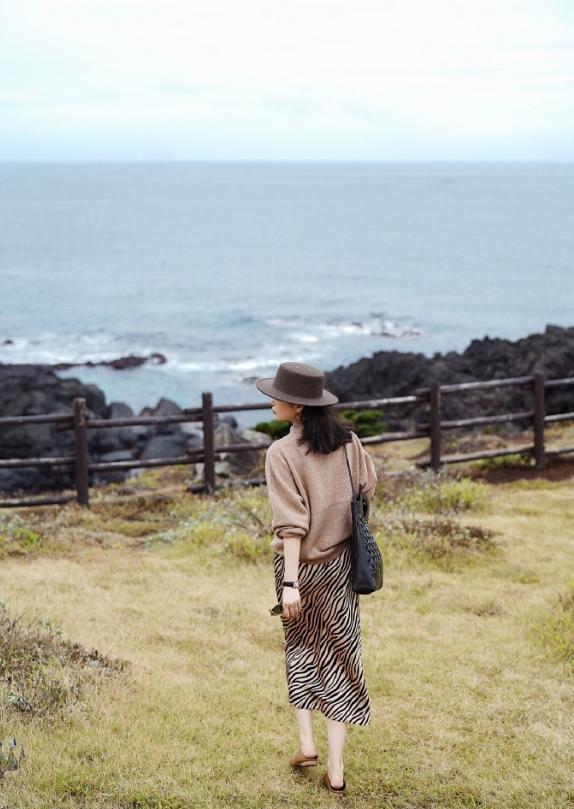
(300, 760)
(327, 783)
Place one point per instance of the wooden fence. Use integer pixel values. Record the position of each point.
(80, 423)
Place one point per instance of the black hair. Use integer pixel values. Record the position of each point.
(323, 430)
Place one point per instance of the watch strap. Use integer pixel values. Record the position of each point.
(294, 584)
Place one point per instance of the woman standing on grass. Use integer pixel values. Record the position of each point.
(310, 494)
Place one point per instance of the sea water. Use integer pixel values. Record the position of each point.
(228, 269)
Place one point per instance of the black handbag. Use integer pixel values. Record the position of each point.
(366, 559)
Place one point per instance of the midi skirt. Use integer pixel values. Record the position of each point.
(322, 646)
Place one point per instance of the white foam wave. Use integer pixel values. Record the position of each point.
(305, 345)
(51, 348)
(257, 364)
(304, 337)
(335, 329)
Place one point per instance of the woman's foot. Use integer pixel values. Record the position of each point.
(308, 749)
(334, 790)
(300, 759)
(335, 777)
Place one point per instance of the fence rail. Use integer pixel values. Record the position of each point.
(80, 423)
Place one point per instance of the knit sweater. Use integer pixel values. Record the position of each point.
(310, 495)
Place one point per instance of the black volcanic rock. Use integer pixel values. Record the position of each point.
(395, 373)
(36, 389)
(119, 364)
(28, 390)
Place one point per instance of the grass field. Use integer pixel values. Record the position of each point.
(468, 651)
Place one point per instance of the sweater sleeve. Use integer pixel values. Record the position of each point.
(290, 512)
(367, 472)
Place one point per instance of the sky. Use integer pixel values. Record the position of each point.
(286, 80)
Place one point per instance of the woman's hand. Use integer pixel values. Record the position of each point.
(291, 602)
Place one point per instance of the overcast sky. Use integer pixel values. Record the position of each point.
(287, 79)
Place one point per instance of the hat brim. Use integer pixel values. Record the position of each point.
(266, 386)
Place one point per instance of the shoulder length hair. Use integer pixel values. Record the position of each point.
(323, 430)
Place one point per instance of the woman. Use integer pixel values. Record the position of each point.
(309, 492)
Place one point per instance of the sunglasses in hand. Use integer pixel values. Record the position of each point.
(276, 610)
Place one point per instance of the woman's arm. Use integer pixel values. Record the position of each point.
(291, 598)
(291, 548)
(290, 514)
(290, 522)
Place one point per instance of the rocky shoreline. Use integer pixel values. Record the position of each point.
(120, 364)
(27, 389)
(396, 373)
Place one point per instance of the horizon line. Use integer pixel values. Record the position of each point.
(276, 160)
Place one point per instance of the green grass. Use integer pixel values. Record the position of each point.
(515, 460)
(445, 492)
(467, 652)
(557, 628)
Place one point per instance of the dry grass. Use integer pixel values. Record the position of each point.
(40, 671)
(472, 699)
(557, 630)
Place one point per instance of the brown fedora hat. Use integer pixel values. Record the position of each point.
(298, 383)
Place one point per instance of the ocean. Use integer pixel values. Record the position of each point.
(229, 269)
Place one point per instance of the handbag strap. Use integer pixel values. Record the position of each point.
(349, 468)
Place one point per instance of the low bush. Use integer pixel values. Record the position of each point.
(276, 428)
(237, 525)
(363, 422)
(18, 537)
(10, 761)
(443, 492)
(40, 671)
(437, 538)
(514, 461)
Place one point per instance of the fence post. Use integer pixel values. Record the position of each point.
(539, 414)
(434, 395)
(208, 442)
(81, 445)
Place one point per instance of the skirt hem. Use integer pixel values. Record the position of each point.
(317, 707)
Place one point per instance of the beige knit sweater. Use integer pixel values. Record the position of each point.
(310, 495)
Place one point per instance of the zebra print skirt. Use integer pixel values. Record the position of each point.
(323, 645)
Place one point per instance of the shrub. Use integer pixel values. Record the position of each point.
(514, 461)
(363, 422)
(41, 671)
(439, 496)
(18, 538)
(9, 760)
(236, 525)
(443, 492)
(435, 537)
(275, 428)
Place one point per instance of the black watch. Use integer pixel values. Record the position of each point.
(294, 584)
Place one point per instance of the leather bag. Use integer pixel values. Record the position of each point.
(366, 559)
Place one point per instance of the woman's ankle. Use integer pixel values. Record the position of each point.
(308, 747)
(335, 769)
